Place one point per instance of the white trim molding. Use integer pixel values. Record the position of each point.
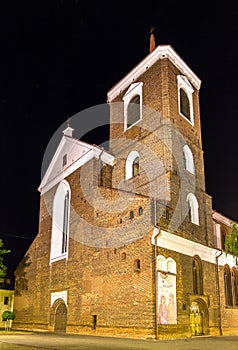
(58, 295)
(134, 89)
(183, 83)
(161, 52)
(184, 246)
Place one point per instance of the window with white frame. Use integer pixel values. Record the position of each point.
(185, 98)
(193, 208)
(188, 159)
(60, 222)
(132, 165)
(133, 105)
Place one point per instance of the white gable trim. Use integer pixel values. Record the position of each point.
(91, 151)
(184, 246)
(162, 51)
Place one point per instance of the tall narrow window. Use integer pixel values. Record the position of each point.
(197, 276)
(133, 111)
(185, 98)
(188, 159)
(227, 285)
(60, 222)
(184, 104)
(65, 223)
(133, 105)
(193, 208)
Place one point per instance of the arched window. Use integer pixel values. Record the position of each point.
(65, 223)
(227, 286)
(135, 167)
(188, 159)
(133, 111)
(184, 104)
(132, 164)
(197, 275)
(60, 222)
(234, 282)
(193, 208)
(133, 105)
(185, 98)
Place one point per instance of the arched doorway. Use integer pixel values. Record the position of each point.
(199, 317)
(59, 315)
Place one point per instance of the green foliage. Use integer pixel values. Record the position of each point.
(3, 268)
(8, 315)
(231, 242)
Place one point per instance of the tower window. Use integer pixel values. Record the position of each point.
(188, 159)
(185, 98)
(6, 300)
(184, 104)
(193, 208)
(133, 111)
(133, 105)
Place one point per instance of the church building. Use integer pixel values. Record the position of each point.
(128, 242)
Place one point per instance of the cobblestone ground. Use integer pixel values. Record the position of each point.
(51, 341)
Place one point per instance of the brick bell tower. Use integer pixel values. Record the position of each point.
(155, 135)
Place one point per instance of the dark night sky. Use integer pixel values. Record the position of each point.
(60, 57)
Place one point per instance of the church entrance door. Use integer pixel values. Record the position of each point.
(196, 319)
(60, 318)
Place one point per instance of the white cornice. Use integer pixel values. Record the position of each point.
(162, 51)
(184, 246)
(221, 218)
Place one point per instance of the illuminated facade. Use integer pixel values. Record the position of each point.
(128, 243)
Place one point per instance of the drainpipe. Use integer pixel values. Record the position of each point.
(218, 291)
(155, 270)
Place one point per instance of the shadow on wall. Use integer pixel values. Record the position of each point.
(21, 282)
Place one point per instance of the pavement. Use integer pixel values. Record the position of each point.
(52, 341)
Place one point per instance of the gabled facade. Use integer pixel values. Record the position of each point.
(126, 243)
